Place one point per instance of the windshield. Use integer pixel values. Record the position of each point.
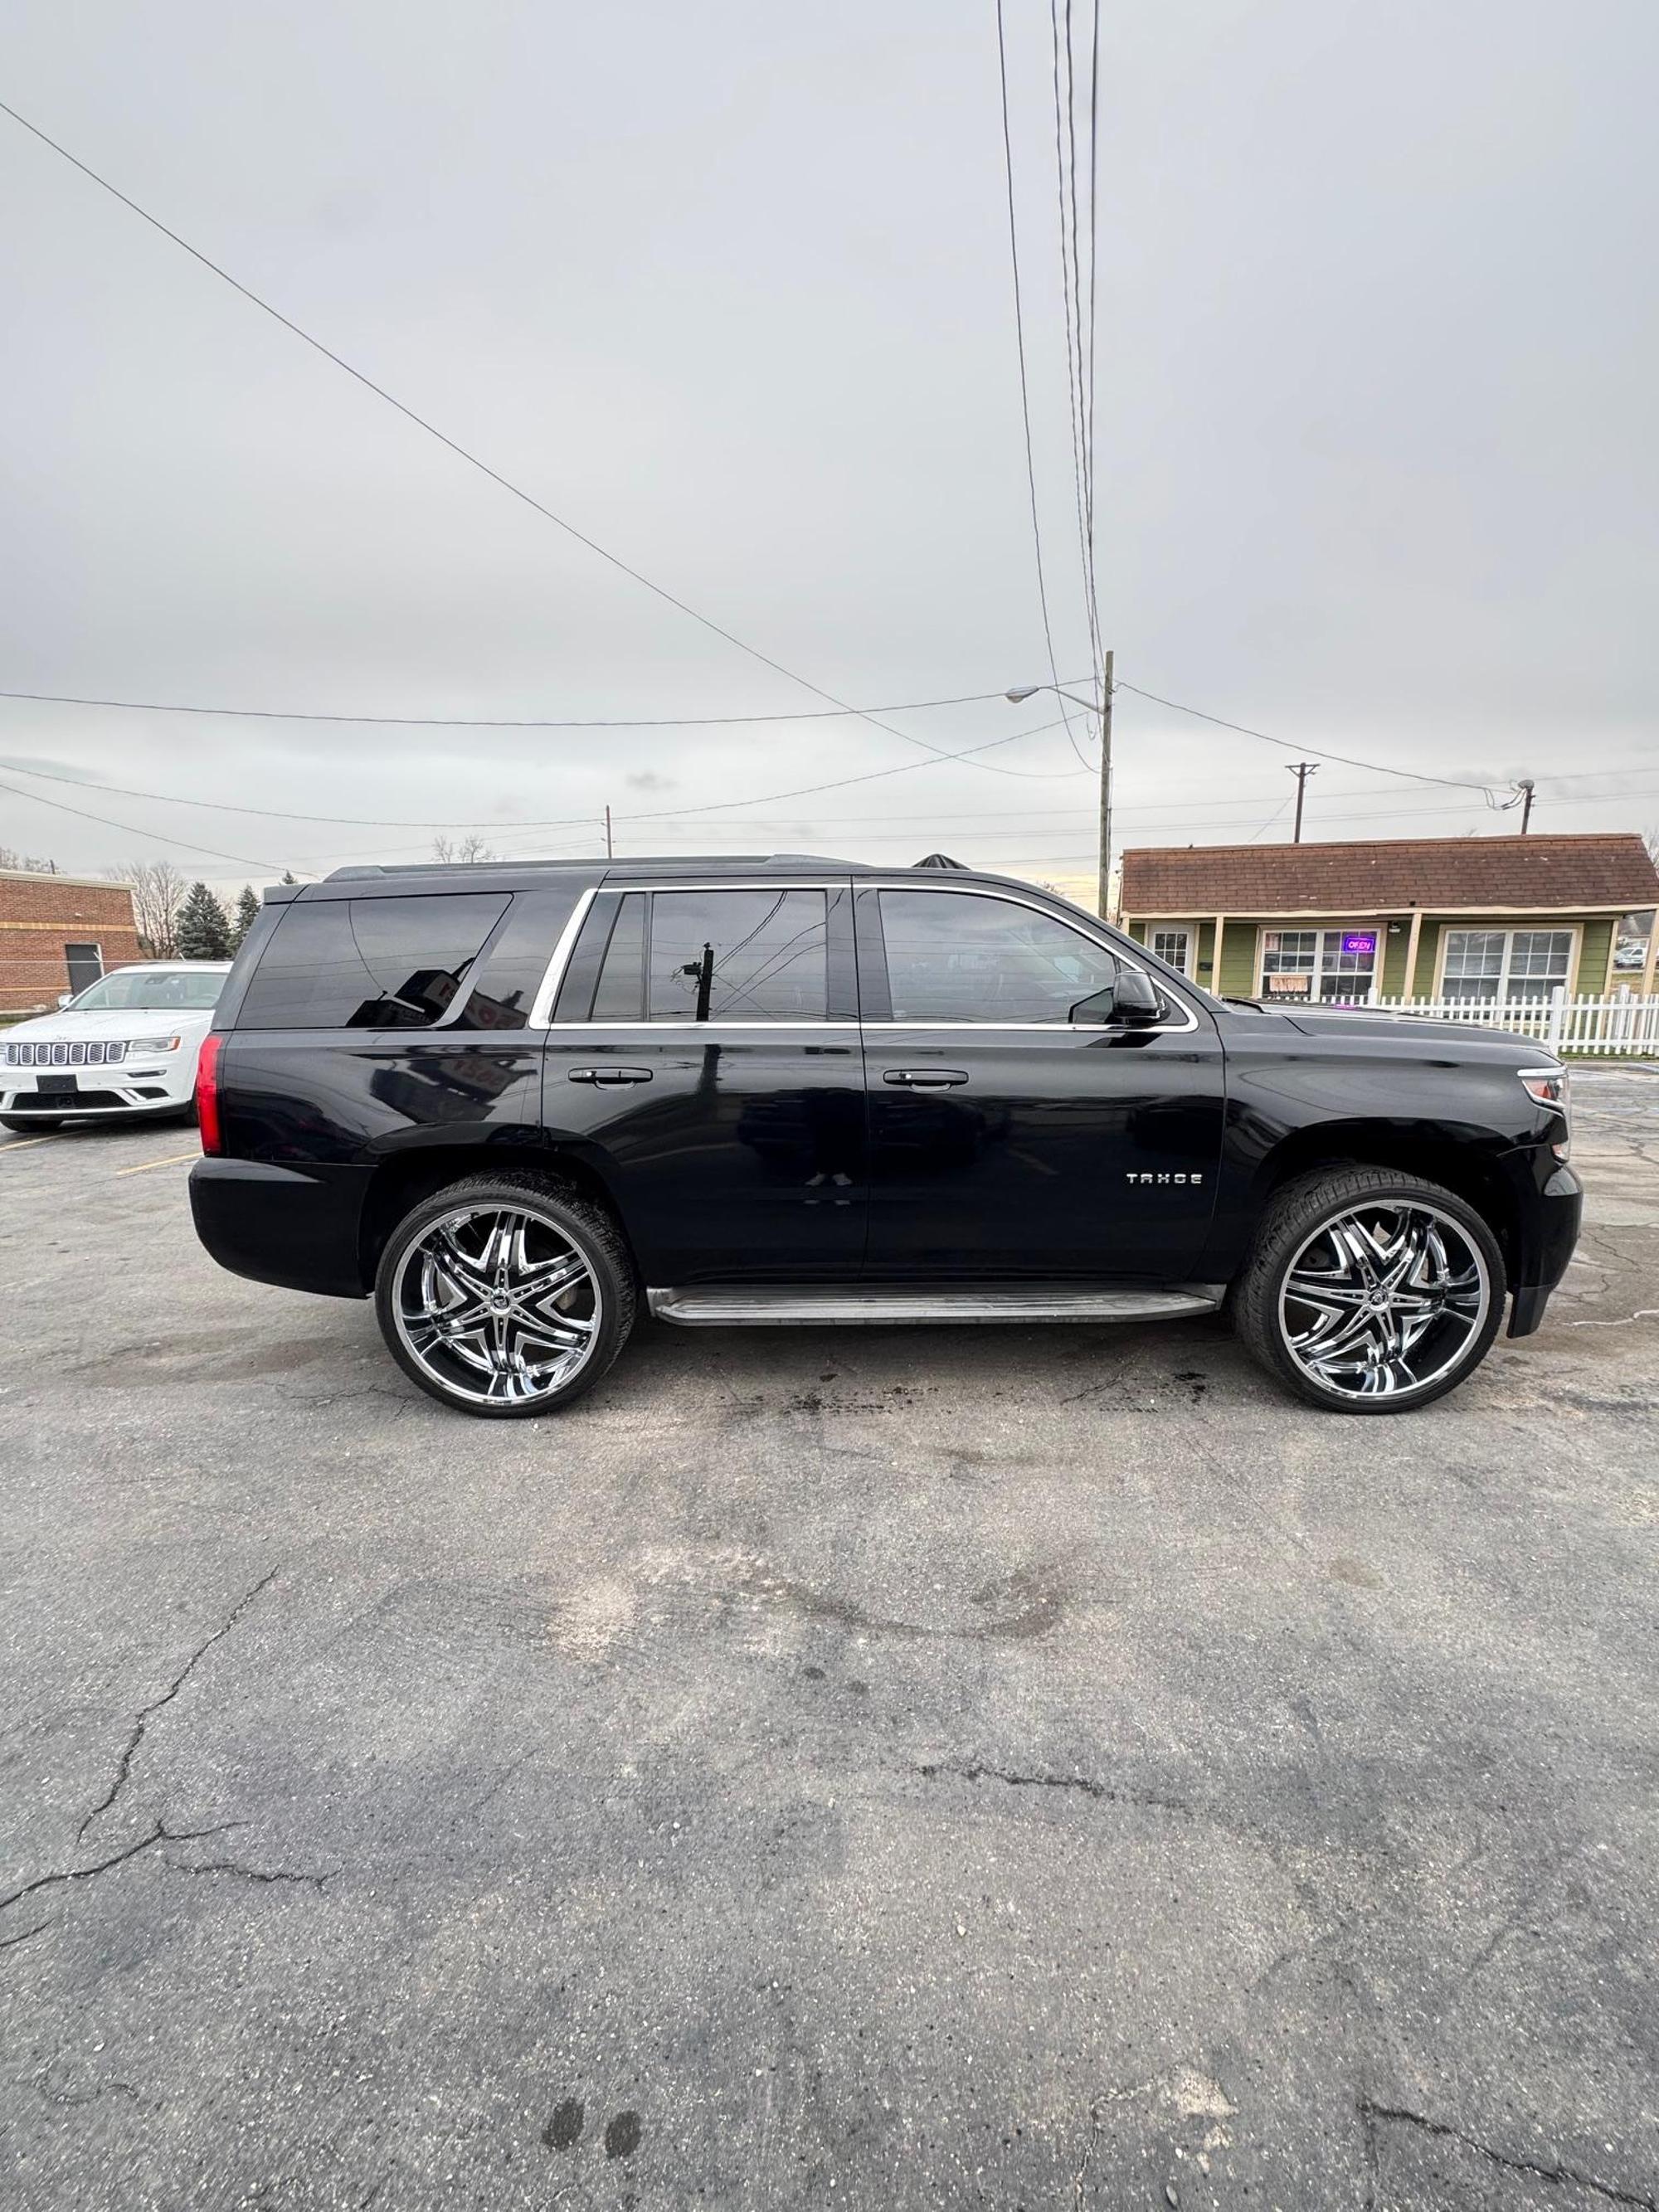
(157, 990)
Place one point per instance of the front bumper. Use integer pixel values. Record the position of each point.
(1549, 1218)
(100, 1093)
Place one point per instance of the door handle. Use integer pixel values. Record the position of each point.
(926, 1079)
(607, 1076)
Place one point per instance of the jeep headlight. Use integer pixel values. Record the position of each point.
(154, 1044)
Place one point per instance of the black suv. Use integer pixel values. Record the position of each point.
(513, 1100)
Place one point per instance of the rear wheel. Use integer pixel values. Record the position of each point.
(1370, 1291)
(27, 1124)
(505, 1295)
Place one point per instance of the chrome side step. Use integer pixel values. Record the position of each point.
(885, 1306)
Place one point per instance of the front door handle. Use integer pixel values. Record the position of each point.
(608, 1075)
(926, 1079)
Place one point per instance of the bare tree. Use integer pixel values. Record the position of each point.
(470, 847)
(158, 892)
(10, 858)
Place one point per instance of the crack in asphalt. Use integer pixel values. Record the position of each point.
(147, 1713)
(161, 1833)
(1103, 1792)
(249, 1874)
(1371, 2113)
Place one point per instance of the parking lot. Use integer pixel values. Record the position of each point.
(936, 1767)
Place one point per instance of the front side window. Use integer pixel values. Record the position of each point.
(369, 963)
(1330, 964)
(1505, 964)
(956, 957)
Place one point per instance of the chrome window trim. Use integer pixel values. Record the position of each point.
(547, 995)
(547, 992)
(1102, 943)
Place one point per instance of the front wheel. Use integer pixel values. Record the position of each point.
(505, 1295)
(1369, 1292)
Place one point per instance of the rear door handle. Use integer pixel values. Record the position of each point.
(608, 1075)
(926, 1079)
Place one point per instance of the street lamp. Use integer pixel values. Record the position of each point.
(1102, 706)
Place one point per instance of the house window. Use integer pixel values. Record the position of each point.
(1174, 945)
(1332, 964)
(1505, 964)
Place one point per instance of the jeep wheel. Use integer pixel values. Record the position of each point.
(1368, 1291)
(505, 1295)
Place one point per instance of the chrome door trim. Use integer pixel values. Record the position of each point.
(547, 994)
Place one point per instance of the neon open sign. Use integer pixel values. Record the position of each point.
(1360, 940)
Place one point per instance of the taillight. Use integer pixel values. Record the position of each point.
(207, 1092)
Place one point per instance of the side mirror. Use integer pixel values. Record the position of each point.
(66, 997)
(1131, 1002)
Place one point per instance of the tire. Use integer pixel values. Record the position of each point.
(27, 1124)
(1351, 1343)
(539, 1350)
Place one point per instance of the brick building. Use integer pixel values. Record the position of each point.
(59, 933)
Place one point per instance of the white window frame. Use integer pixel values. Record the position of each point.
(1187, 931)
(1319, 931)
(1573, 930)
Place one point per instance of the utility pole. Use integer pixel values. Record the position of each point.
(1524, 787)
(1301, 770)
(608, 853)
(1106, 791)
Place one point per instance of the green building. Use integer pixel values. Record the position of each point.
(1437, 918)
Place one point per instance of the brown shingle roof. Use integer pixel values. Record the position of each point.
(1536, 873)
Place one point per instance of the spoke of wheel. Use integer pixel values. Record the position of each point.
(464, 1272)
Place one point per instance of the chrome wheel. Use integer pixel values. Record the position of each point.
(1384, 1299)
(497, 1303)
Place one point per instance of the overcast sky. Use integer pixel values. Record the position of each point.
(728, 287)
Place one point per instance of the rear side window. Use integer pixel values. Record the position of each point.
(506, 978)
(716, 956)
(369, 963)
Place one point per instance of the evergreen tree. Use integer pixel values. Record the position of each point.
(246, 913)
(203, 931)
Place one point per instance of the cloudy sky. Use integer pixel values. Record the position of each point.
(727, 288)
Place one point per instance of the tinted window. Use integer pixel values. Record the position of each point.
(737, 956)
(367, 964)
(621, 994)
(509, 974)
(952, 957)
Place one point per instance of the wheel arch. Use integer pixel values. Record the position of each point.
(1464, 1161)
(404, 1179)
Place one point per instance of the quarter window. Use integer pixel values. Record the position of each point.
(369, 963)
(1331, 965)
(1505, 964)
(954, 956)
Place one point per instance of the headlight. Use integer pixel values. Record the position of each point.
(154, 1044)
(1548, 1085)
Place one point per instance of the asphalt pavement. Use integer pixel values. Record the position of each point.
(1040, 1767)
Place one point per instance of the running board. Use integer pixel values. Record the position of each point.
(786, 1306)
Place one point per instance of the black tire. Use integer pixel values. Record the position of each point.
(27, 1125)
(567, 1217)
(1293, 1223)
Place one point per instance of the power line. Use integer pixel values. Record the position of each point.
(1375, 768)
(109, 823)
(489, 722)
(1025, 384)
(507, 484)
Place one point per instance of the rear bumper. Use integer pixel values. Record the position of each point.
(296, 1227)
(1550, 1215)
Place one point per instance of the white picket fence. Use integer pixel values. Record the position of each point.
(1625, 1023)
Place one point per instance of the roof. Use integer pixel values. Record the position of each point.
(1442, 874)
(58, 876)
